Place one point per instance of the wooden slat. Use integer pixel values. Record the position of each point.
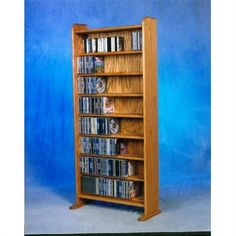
(150, 118)
(138, 199)
(137, 137)
(130, 202)
(118, 115)
(112, 74)
(109, 29)
(111, 53)
(112, 95)
(77, 47)
(123, 157)
(137, 178)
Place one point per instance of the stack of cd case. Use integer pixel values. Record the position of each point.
(136, 40)
(96, 105)
(98, 125)
(91, 85)
(99, 146)
(90, 64)
(110, 187)
(104, 44)
(107, 166)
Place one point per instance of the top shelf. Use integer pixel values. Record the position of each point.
(111, 29)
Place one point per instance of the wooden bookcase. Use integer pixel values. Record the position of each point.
(132, 81)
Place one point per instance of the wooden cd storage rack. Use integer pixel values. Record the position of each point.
(131, 77)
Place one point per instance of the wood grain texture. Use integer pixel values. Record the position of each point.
(131, 105)
(77, 47)
(110, 29)
(139, 169)
(135, 147)
(131, 127)
(123, 63)
(151, 187)
(125, 84)
(131, 202)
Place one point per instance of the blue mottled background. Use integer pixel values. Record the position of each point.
(184, 84)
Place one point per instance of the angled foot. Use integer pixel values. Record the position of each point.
(148, 216)
(78, 205)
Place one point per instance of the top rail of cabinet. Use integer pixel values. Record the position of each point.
(110, 29)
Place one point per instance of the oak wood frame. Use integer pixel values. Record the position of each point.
(150, 199)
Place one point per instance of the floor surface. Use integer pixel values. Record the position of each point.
(184, 208)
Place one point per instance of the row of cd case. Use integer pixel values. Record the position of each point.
(136, 40)
(105, 44)
(90, 64)
(107, 167)
(110, 187)
(98, 125)
(96, 105)
(99, 146)
(91, 85)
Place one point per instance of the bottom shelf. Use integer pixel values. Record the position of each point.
(137, 201)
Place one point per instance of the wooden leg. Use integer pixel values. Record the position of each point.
(148, 216)
(81, 203)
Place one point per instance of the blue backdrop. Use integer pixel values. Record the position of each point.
(184, 83)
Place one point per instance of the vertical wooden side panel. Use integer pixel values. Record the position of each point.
(77, 47)
(151, 192)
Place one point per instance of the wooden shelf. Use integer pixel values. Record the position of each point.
(131, 202)
(109, 29)
(117, 53)
(118, 115)
(137, 178)
(132, 157)
(139, 198)
(112, 74)
(123, 136)
(112, 95)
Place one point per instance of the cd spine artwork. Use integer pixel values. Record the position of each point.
(110, 187)
(104, 44)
